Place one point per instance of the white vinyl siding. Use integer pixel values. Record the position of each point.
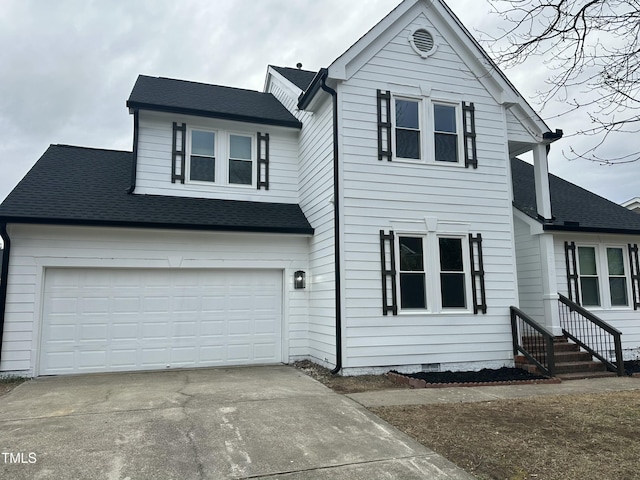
(379, 193)
(529, 271)
(315, 197)
(36, 248)
(154, 160)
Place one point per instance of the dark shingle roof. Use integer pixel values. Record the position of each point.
(573, 207)
(300, 78)
(85, 186)
(201, 99)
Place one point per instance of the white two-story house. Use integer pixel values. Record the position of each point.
(362, 216)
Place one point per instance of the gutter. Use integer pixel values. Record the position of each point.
(4, 276)
(134, 163)
(336, 206)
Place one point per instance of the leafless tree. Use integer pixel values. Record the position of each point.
(592, 49)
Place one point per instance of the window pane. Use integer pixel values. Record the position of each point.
(407, 114)
(590, 291)
(240, 172)
(618, 288)
(202, 169)
(451, 255)
(444, 117)
(452, 287)
(411, 254)
(240, 147)
(615, 261)
(203, 143)
(407, 143)
(587, 258)
(412, 291)
(446, 147)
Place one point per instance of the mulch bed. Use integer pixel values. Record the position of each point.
(486, 376)
(632, 367)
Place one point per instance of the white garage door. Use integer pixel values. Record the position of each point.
(105, 320)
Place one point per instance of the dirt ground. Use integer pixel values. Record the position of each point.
(585, 437)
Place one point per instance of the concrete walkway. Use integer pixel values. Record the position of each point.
(424, 396)
(259, 422)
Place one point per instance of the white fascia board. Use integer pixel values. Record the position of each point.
(271, 72)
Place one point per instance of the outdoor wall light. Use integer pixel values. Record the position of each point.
(298, 279)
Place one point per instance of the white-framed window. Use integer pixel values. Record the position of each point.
(446, 136)
(202, 155)
(433, 272)
(427, 130)
(221, 157)
(241, 159)
(408, 138)
(603, 276)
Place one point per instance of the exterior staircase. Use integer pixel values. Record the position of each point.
(571, 363)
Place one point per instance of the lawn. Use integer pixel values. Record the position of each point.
(590, 436)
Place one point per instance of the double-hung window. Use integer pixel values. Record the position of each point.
(202, 161)
(408, 138)
(433, 275)
(588, 271)
(445, 133)
(605, 286)
(240, 160)
(617, 277)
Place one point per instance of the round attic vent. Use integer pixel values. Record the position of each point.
(422, 42)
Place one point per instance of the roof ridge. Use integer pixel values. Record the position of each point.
(204, 84)
(64, 145)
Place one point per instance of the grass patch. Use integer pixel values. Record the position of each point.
(591, 436)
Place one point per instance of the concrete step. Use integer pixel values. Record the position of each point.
(583, 375)
(582, 366)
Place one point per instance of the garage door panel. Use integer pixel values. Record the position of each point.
(117, 320)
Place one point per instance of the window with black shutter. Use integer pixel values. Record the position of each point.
(572, 272)
(469, 127)
(388, 267)
(384, 125)
(477, 274)
(178, 152)
(263, 161)
(634, 269)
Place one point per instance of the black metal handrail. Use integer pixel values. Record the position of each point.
(592, 333)
(533, 341)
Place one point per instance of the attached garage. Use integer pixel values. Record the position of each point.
(105, 320)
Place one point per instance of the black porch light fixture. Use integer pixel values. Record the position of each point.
(299, 279)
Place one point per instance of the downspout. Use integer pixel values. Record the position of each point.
(336, 224)
(134, 163)
(4, 276)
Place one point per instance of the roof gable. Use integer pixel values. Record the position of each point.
(468, 49)
(86, 186)
(300, 78)
(574, 208)
(214, 101)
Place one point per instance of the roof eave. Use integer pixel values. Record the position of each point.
(314, 87)
(221, 115)
(574, 228)
(163, 226)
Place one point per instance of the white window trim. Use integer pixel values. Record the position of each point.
(431, 259)
(427, 130)
(222, 150)
(602, 267)
(216, 156)
(254, 159)
(421, 128)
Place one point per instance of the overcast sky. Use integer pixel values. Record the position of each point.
(68, 66)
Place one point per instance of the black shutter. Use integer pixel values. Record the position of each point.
(477, 274)
(178, 152)
(384, 125)
(388, 273)
(469, 127)
(635, 274)
(573, 284)
(262, 180)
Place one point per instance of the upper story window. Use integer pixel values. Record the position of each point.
(407, 129)
(202, 161)
(205, 146)
(240, 160)
(445, 128)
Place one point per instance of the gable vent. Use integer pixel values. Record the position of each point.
(422, 42)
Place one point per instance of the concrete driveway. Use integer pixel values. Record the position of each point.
(258, 422)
